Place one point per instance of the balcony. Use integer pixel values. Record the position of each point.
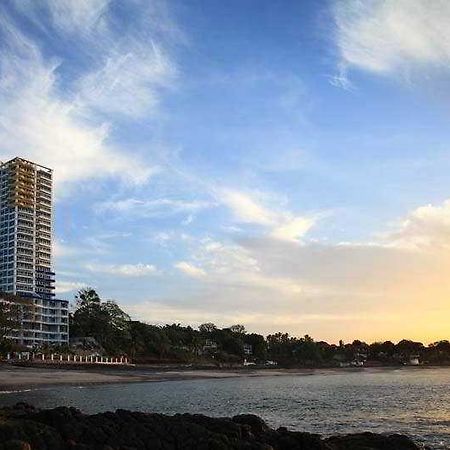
(25, 245)
(45, 270)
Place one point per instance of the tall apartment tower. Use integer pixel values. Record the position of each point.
(26, 250)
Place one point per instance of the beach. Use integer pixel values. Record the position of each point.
(19, 377)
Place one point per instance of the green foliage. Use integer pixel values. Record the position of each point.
(9, 318)
(238, 329)
(116, 333)
(258, 344)
(307, 351)
(207, 328)
(102, 320)
(10, 311)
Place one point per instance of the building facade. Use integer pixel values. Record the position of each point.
(26, 251)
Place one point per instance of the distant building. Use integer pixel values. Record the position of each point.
(209, 346)
(26, 252)
(248, 349)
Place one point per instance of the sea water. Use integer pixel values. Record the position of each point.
(411, 401)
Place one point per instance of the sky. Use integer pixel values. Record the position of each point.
(278, 164)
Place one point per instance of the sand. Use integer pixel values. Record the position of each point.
(14, 378)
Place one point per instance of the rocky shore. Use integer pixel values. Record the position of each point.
(22, 427)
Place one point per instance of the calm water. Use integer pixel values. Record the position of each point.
(410, 401)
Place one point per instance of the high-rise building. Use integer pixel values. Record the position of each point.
(26, 251)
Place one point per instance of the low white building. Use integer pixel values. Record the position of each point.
(41, 322)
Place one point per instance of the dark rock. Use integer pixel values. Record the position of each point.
(14, 444)
(371, 441)
(256, 424)
(23, 427)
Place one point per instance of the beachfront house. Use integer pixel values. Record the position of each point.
(248, 349)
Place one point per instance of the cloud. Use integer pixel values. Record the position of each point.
(245, 209)
(63, 287)
(74, 16)
(391, 286)
(61, 249)
(129, 82)
(190, 269)
(227, 265)
(427, 228)
(282, 224)
(65, 122)
(152, 208)
(160, 312)
(65, 16)
(293, 229)
(404, 269)
(124, 270)
(386, 36)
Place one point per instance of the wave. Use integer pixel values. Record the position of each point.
(17, 391)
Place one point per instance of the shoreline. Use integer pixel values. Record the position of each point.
(31, 378)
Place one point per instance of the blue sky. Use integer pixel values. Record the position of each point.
(278, 164)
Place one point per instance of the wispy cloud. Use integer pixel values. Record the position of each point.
(62, 287)
(292, 229)
(67, 16)
(281, 223)
(124, 270)
(69, 129)
(190, 269)
(245, 209)
(157, 311)
(153, 208)
(393, 35)
(222, 264)
(78, 16)
(129, 82)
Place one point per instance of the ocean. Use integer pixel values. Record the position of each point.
(412, 401)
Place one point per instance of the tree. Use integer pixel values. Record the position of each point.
(280, 345)
(87, 297)
(231, 344)
(238, 329)
(258, 344)
(105, 321)
(307, 351)
(407, 348)
(116, 328)
(207, 328)
(439, 352)
(88, 318)
(9, 317)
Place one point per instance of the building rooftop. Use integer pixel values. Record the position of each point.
(17, 158)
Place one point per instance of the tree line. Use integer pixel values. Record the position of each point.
(102, 326)
(118, 334)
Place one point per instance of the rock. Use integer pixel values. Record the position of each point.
(15, 444)
(256, 424)
(23, 427)
(371, 441)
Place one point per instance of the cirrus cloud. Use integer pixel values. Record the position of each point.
(388, 36)
(66, 122)
(124, 270)
(282, 224)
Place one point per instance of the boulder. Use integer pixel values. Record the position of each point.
(24, 427)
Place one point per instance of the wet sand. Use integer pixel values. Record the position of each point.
(19, 378)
